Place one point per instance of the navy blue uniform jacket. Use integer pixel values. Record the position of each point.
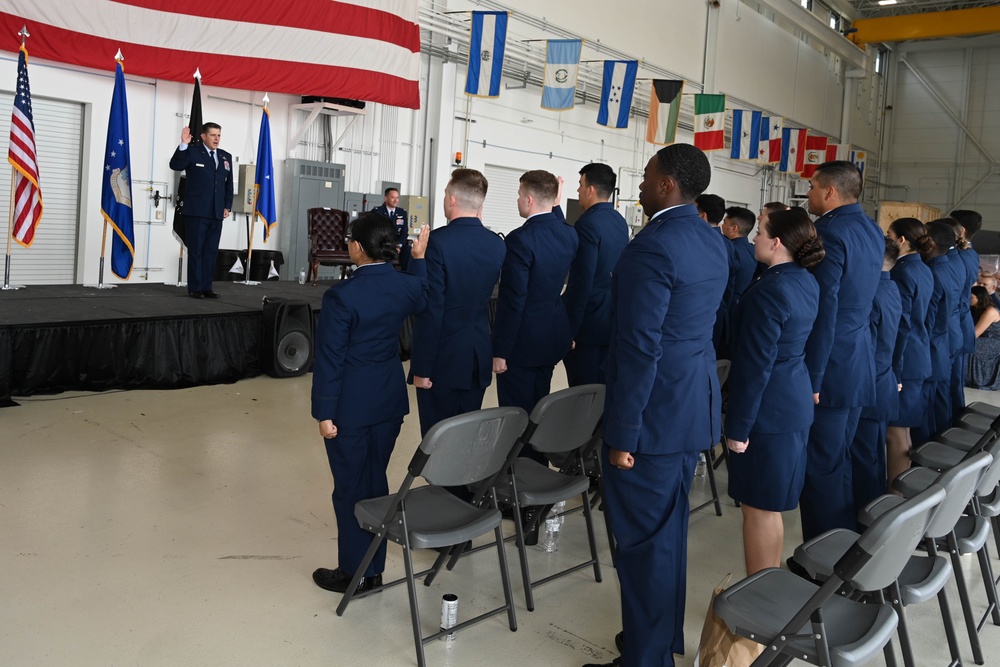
(451, 339)
(746, 267)
(886, 312)
(207, 190)
(662, 385)
(940, 315)
(960, 305)
(839, 352)
(770, 390)
(400, 219)
(603, 234)
(357, 376)
(915, 284)
(531, 328)
(970, 258)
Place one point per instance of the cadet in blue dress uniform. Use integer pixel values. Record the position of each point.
(839, 353)
(770, 404)
(603, 234)
(868, 449)
(662, 406)
(736, 226)
(912, 353)
(359, 392)
(712, 209)
(451, 365)
(531, 330)
(967, 223)
(208, 199)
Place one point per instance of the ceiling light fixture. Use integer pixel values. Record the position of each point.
(887, 2)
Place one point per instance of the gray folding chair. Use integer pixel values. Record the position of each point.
(461, 450)
(923, 577)
(977, 423)
(795, 618)
(985, 409)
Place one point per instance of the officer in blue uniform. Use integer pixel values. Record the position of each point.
(531, 332)
(736, 226)
(603, 234)
(868, 449)
(712, 209)
(397, 215)
(208, 199)
(359, 392)
(912, 353)
(451, 365)
(839, 354)
(663, 405)
(968, 223)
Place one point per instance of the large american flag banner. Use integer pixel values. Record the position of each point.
(24, 159)
(358, 49)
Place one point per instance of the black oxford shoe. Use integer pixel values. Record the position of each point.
(338, 581)
(209, 294)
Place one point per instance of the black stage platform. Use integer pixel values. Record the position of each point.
(151, 336)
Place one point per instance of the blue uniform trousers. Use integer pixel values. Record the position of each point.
(523, 387)
(648, 508)
(958, 366)
(828, 497)
(584, 364)
(439, 403)
(201, 235)
(358, 461)
(868, 462)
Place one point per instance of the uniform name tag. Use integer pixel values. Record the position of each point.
(198, 164)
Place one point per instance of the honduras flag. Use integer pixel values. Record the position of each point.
(562, 65)
(616, 92)
(116, 186)
(263, 181)
(489, 36)
(746, 135)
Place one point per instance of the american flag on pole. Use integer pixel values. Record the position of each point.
(24, 159)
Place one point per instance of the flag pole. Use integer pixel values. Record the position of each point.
(10, 228)
(253, 226)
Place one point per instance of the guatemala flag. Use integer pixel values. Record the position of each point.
(746, 134)
(116, 187)
(489, 36)
(263, 182)
(562, 65)
(616, 92)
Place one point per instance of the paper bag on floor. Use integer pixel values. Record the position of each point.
(719, 647)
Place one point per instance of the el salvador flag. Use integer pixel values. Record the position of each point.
(746, 134)
(489, 36)
(616, 92)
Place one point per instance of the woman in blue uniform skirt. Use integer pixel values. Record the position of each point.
(771, 399)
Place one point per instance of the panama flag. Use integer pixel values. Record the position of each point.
(486, 47)
(769, 148)
(616, 92)
(562, 65)
(793, 143)
(815, 154)
(746, 134)
(710, 122)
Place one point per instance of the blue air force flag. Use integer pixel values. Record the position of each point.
(616, 92)
(746, 135)
(562, 64)
(116, 188)
(264, 178)
(489, 36)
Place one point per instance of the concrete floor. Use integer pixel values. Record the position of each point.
(182, 527)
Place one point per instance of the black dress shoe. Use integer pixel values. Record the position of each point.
(196, 295)
(338, 581)
(209, 294)
(614, 663)
(620, 641)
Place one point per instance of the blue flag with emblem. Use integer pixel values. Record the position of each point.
(746, 135)
(486, 47)
(116, 189)
(562, 65)
(264, 180)
(616, 92)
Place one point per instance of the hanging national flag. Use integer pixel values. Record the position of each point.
(860, 158)
(746, 135)
(769, 150)
(562, 65)
(263, 182)
(360, 50)
(710, 122)
(486, 47)
(116, 191)
(194, 124)
(24, 159)
(815, 154)
(662, 125)
(838, 152)
(793, 143)
(616, 92)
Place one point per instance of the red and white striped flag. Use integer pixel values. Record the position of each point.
(24, 159)
(355, 49)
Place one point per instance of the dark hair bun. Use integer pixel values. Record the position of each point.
(810, 253)
(924, 244)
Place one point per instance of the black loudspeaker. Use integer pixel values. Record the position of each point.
(286, 347)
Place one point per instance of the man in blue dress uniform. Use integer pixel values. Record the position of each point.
(390, 208)
(663, 404)
(712, 209)
(603, 234)
(736, 226)
(839, 353)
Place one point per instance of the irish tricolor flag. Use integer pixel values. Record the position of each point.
(709, 122)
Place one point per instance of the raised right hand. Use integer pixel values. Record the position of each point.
(186, 135)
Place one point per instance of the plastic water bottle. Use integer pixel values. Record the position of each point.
(302, 276)
(553, 523)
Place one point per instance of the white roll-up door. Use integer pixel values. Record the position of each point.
(51, 259)
(500, 208)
